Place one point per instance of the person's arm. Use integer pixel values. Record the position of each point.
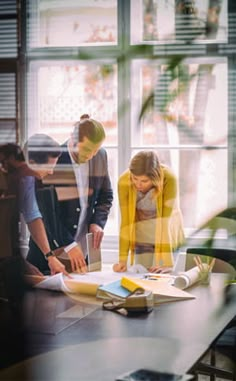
(30, 269)
(105, 193)
(120, 267)
(170, 219)
(98, 234)
(124, 233)
(71, 247)
(76, 257)
(104, 199)
(33, 218)
(38, 234)
(170, 193)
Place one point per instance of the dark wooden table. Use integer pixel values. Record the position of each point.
(100, 345)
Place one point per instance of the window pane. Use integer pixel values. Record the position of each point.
(152, 20)
(167, 21)
(7, 131)
(188, 105)
(7, 95)
(186, 116)
(73, 23)
(68, 90)
(59, 93)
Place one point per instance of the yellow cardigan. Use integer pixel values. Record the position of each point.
(169, 225)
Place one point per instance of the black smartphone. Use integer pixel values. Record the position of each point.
(152, 375)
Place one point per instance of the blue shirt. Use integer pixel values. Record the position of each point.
(28, 203)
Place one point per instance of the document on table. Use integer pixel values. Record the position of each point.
(162, 285)
(54, 283)
(78, 283)
(163, 291)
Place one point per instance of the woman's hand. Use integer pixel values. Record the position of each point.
(120, 267)
(160, 269)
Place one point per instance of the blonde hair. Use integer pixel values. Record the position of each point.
(146, 163)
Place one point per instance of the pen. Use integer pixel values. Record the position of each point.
(199, 263)
(158, 277)
(212, 264)
(148, 277)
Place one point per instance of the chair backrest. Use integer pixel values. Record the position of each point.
(3, 183)
(225, 259)
(11, 282)
(8, 226)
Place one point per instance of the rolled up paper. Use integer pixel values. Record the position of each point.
(188, 278)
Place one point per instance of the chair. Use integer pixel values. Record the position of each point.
(11, 310)
(226, 343)
(8, 238)
(8, 234)
(225, 259)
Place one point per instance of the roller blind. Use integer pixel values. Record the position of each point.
(8, 58)
(8, 29)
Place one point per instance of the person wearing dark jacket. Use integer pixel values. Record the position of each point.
(85, 190)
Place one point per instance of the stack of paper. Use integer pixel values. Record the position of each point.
(106, 285)
(113, 289)
(86, 284)
(163, 291)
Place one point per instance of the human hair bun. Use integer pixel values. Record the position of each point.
(84, 116)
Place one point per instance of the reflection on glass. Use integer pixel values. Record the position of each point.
(187, 124)
(201, 20)
(74, 23)
(189, 106)
(170, 20)
(66, 91)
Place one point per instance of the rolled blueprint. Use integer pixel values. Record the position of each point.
(187, 278)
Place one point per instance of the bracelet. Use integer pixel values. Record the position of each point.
(49, 254)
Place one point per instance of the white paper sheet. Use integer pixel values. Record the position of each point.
(60, 282)
(53, 282)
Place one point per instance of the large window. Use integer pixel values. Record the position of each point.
(65, 91)
(116, 60)
(191, 135)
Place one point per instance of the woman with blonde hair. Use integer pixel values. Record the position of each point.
(151, 221)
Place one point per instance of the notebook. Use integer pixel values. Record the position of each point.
(161, 289)
(113, 289)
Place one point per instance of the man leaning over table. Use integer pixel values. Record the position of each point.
(86, 199)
